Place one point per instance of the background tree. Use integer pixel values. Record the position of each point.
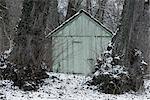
(123, 65)
(112, 14)
(73, 7)
(28, 50)
(4, 21)
(132, 37)
(51, 23)
(10, 12)
(89, 6)
(101, 9)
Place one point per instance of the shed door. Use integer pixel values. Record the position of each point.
(78, 55)
(83, 60)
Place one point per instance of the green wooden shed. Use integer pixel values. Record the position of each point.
(77, 42)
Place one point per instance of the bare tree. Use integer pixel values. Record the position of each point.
(89, 6)
(10, 14)
(14, 13)
(51, 24)
(28, 50)
(4, 42)
(101, 9)
(73, 7)
(127, 53)
(53, 17)
(132, 38)
(112, 14)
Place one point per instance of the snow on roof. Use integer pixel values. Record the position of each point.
(76, 15)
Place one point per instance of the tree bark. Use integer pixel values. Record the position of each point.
(148, 52)
(133, 35)
(73, 7)
(51, 24)
(11, 11)
(29, 41)
(89, 6)
(101, 9)
(4, 41)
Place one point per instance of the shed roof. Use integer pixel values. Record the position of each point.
(74, 17)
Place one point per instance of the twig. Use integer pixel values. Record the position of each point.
(3, 6)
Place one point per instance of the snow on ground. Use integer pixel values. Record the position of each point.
(66, 87)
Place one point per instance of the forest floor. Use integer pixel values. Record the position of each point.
(67, 87)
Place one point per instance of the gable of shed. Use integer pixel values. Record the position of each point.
(81, 24)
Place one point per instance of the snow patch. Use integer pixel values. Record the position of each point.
(67, 87)
(143, 63)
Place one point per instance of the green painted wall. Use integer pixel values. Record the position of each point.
(77, 44)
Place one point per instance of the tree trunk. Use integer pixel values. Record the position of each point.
(101, 9)
(53, 17)
(11, 11)
(89, 6)
(29, 41)
(14, 13)
(132, 36)
(148, 53)
(52, 23)
(4, 41)
(73, 7)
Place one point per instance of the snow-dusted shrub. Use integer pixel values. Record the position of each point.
(110, 76)
(137, 69)
(9, 71)
(6, 68)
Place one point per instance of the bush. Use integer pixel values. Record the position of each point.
(6, 68)
(112, 78)
(23, 78)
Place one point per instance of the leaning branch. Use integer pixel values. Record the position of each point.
(3, 7)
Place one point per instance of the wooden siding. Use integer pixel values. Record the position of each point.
(77, 45)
